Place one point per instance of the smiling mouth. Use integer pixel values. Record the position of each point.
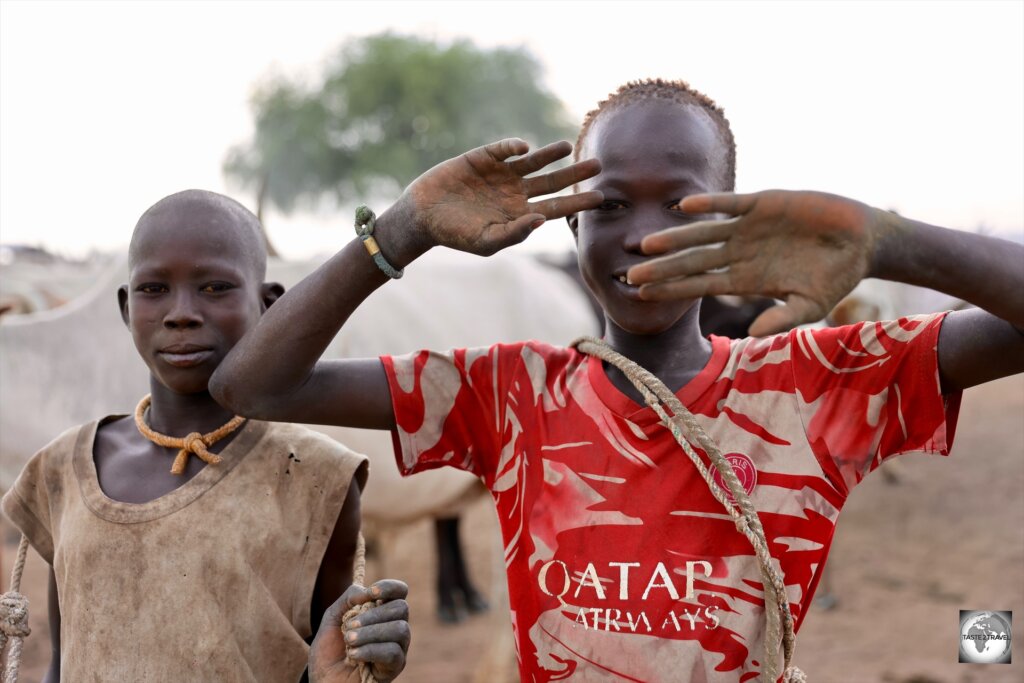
(626, 289)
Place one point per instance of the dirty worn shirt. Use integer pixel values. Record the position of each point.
(621, 565)
(210, 582)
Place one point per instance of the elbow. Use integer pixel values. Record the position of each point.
(225, 391)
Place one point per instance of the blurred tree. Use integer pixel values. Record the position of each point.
(387, 108)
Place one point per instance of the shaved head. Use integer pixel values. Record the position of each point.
(201, 210)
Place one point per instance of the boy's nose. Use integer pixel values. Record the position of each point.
(643, 224)
(183, 313)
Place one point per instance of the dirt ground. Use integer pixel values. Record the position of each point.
(948, 535)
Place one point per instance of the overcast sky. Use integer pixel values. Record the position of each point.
(106, 107)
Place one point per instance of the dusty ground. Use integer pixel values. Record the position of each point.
(907, 557)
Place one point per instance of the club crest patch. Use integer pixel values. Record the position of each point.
(745, 472)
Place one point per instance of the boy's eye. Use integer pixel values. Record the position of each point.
(151, 288)
(216, 287)
(611, 205)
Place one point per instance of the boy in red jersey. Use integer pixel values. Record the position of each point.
(621, 563)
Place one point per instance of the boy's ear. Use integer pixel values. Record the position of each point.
(122, 303)
(270, 292)
(574, 221)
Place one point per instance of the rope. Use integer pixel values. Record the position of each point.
(192, 443)
(359, 579)
(742, 512)
(14, 617)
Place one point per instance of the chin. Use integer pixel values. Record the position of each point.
(647, 324)
(184, 384)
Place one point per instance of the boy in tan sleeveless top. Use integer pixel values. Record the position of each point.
(217, 570)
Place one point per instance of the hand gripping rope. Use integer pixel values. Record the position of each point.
(358, 579)
(743, 514)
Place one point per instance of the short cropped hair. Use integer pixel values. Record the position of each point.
(246, 224)
(672, 91)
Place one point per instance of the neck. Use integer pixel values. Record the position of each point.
(674, 356)
(180, 414)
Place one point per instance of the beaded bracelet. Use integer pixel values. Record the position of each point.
(366, 219)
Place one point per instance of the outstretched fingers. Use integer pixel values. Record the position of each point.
(678, 265)
(556, 181)
(503, 149)
(559, 207)
(708, 284)
(719, 202)
(539, 158)
(686, 236)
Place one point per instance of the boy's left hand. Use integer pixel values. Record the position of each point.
(379, 637)
(808, 249)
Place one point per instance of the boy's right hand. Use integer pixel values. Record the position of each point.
(478, 201)
(379, 637)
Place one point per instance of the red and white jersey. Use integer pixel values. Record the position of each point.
(621, 565)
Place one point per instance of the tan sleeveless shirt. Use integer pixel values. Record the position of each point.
(210, 582)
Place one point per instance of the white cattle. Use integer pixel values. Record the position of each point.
(68, 365)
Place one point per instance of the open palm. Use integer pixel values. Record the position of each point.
(808, 249)
(479, 202)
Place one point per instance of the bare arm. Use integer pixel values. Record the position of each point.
(477, 202)
(53, 609)
(810, 249)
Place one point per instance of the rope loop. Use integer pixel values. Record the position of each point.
(366, 220)
(194, 443)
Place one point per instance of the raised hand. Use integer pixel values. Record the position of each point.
(479, 202)
(808, 249)
(379, 637)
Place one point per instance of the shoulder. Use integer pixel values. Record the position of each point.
(302, 439)
(41, 489)
(755, 358)
(866, 342)
(58, 454)
(313, 450)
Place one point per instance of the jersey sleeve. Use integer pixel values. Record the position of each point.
(451, 408)
(871, 390)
